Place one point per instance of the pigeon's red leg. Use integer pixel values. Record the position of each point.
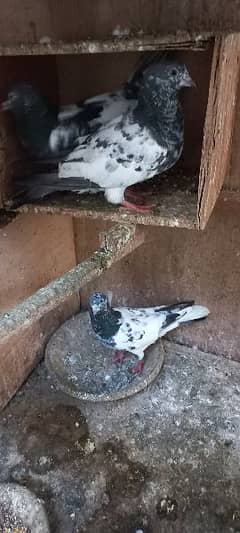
(134, 207)
(119, 356)
(137, 369)
(134, 192)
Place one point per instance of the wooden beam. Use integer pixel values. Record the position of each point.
(25, 329)
(180, 40)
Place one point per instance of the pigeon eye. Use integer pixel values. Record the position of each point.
(174, 72)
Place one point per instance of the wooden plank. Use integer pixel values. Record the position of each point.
(232, 181)
(218, 124)
(33, 252)
(25, 328)
(31, 21)
(21, 351)
(175, 209)
(180, 41)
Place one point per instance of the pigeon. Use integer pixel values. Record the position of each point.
(143, 142)
(47, 130)
(35, 118)
(129, 330)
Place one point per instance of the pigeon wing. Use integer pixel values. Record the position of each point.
(119, 155)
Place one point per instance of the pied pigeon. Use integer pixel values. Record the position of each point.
(129, 330)
(143, 142)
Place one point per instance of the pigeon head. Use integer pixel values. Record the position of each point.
(172, 74)
(22, 98)
(98, 302)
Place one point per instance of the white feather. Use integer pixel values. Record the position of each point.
(113, 105)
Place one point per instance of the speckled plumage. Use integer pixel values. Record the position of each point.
(134, 330)
(143, 142)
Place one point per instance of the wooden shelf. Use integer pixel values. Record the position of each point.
(209, 120)
(175, 209)
(173, 194)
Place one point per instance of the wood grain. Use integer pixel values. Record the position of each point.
(179, 41)
(232, 181)
(219, 123)
(21, 351)
(174, 209)
(32, 21)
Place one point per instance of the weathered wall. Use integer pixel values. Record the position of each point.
(31, 21)
(181, 264)
(33, 251)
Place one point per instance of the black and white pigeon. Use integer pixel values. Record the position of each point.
(138, 145)
(47, 130)
(132, 331)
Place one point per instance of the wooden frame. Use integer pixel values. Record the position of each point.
(219, 124)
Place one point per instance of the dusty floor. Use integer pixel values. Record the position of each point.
(164, 461)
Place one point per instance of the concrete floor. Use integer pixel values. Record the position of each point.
(165, 461)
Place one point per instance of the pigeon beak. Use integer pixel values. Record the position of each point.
(187, 80)
(6, 105)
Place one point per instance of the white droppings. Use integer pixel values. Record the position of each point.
(120, 32)
(45, 39)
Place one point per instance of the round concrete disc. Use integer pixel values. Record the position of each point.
(21, 510)
(82, 367)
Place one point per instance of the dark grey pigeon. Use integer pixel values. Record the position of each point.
(132, 331)
(35, 118)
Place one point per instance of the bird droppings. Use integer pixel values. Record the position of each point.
(157, 462)
(120, 32)
(83, 367)
(167, 508)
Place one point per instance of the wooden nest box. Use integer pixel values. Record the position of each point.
(67, 65)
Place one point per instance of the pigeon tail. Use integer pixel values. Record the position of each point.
(39, 185)
(192, 312)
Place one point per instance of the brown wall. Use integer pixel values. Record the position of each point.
(33, 251)
(29, 21)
